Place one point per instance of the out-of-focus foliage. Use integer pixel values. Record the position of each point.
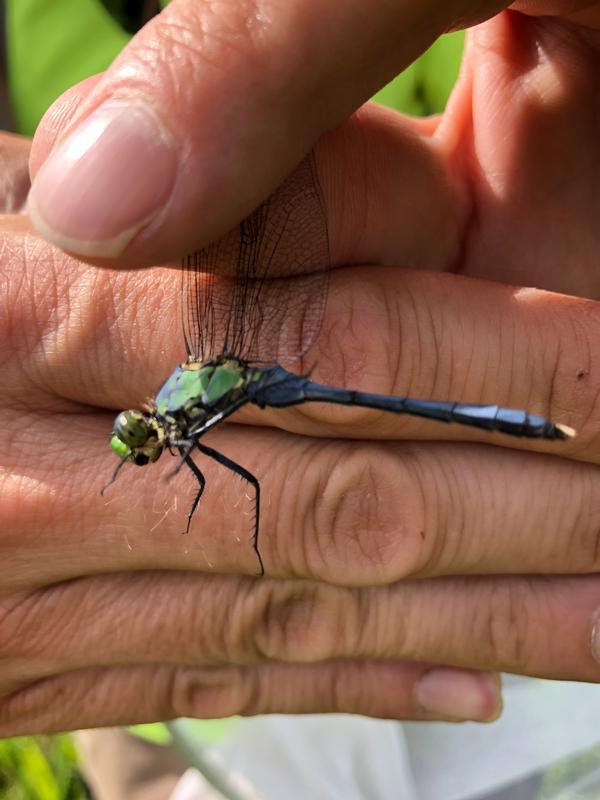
(423, 88)
(53, 45)
(40, 768)
(207, 730)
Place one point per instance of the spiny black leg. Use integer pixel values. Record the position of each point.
(201, 484)
(118, 468)
(248, 476)
(185, 447)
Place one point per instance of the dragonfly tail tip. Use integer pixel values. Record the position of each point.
(565, 432)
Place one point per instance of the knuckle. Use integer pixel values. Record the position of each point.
(210, 691)
(505, 625)
(361, 532)
(213, 692)
(300, 623)
(181, 691)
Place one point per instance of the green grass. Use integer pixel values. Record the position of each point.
(40, 768)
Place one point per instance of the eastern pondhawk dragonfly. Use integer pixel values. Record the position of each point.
(241, 323)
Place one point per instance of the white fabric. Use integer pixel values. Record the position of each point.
(542, 722)
(342, 757)
(193, 785)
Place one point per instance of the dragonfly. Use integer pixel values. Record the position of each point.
(243, 321)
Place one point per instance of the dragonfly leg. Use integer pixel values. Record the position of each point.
(247, 476)
(185, 447)
(118, 469)
(201, 484)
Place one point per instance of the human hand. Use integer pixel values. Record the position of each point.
(411, 549)
(105, 617)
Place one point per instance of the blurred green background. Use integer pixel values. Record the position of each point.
(45, 768)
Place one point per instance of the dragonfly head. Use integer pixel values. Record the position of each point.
(136, 437)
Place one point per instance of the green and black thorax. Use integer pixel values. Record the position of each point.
(196, 392)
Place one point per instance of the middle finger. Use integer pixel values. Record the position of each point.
(349, 513)
(115, 337)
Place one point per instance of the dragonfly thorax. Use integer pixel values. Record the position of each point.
(197, 391)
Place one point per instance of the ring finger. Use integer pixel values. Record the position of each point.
(531, 625)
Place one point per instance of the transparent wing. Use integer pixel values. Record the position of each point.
(259, 293)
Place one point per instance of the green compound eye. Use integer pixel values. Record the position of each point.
(132, 429)
(119, 448)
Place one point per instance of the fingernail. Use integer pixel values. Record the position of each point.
(460, 695)
(106, 181)
(595, 635)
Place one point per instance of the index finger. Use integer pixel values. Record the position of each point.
(114, 337)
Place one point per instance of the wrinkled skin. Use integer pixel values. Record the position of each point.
(390, 544)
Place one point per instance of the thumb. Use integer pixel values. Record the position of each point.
(583, 12)
(207, 110)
